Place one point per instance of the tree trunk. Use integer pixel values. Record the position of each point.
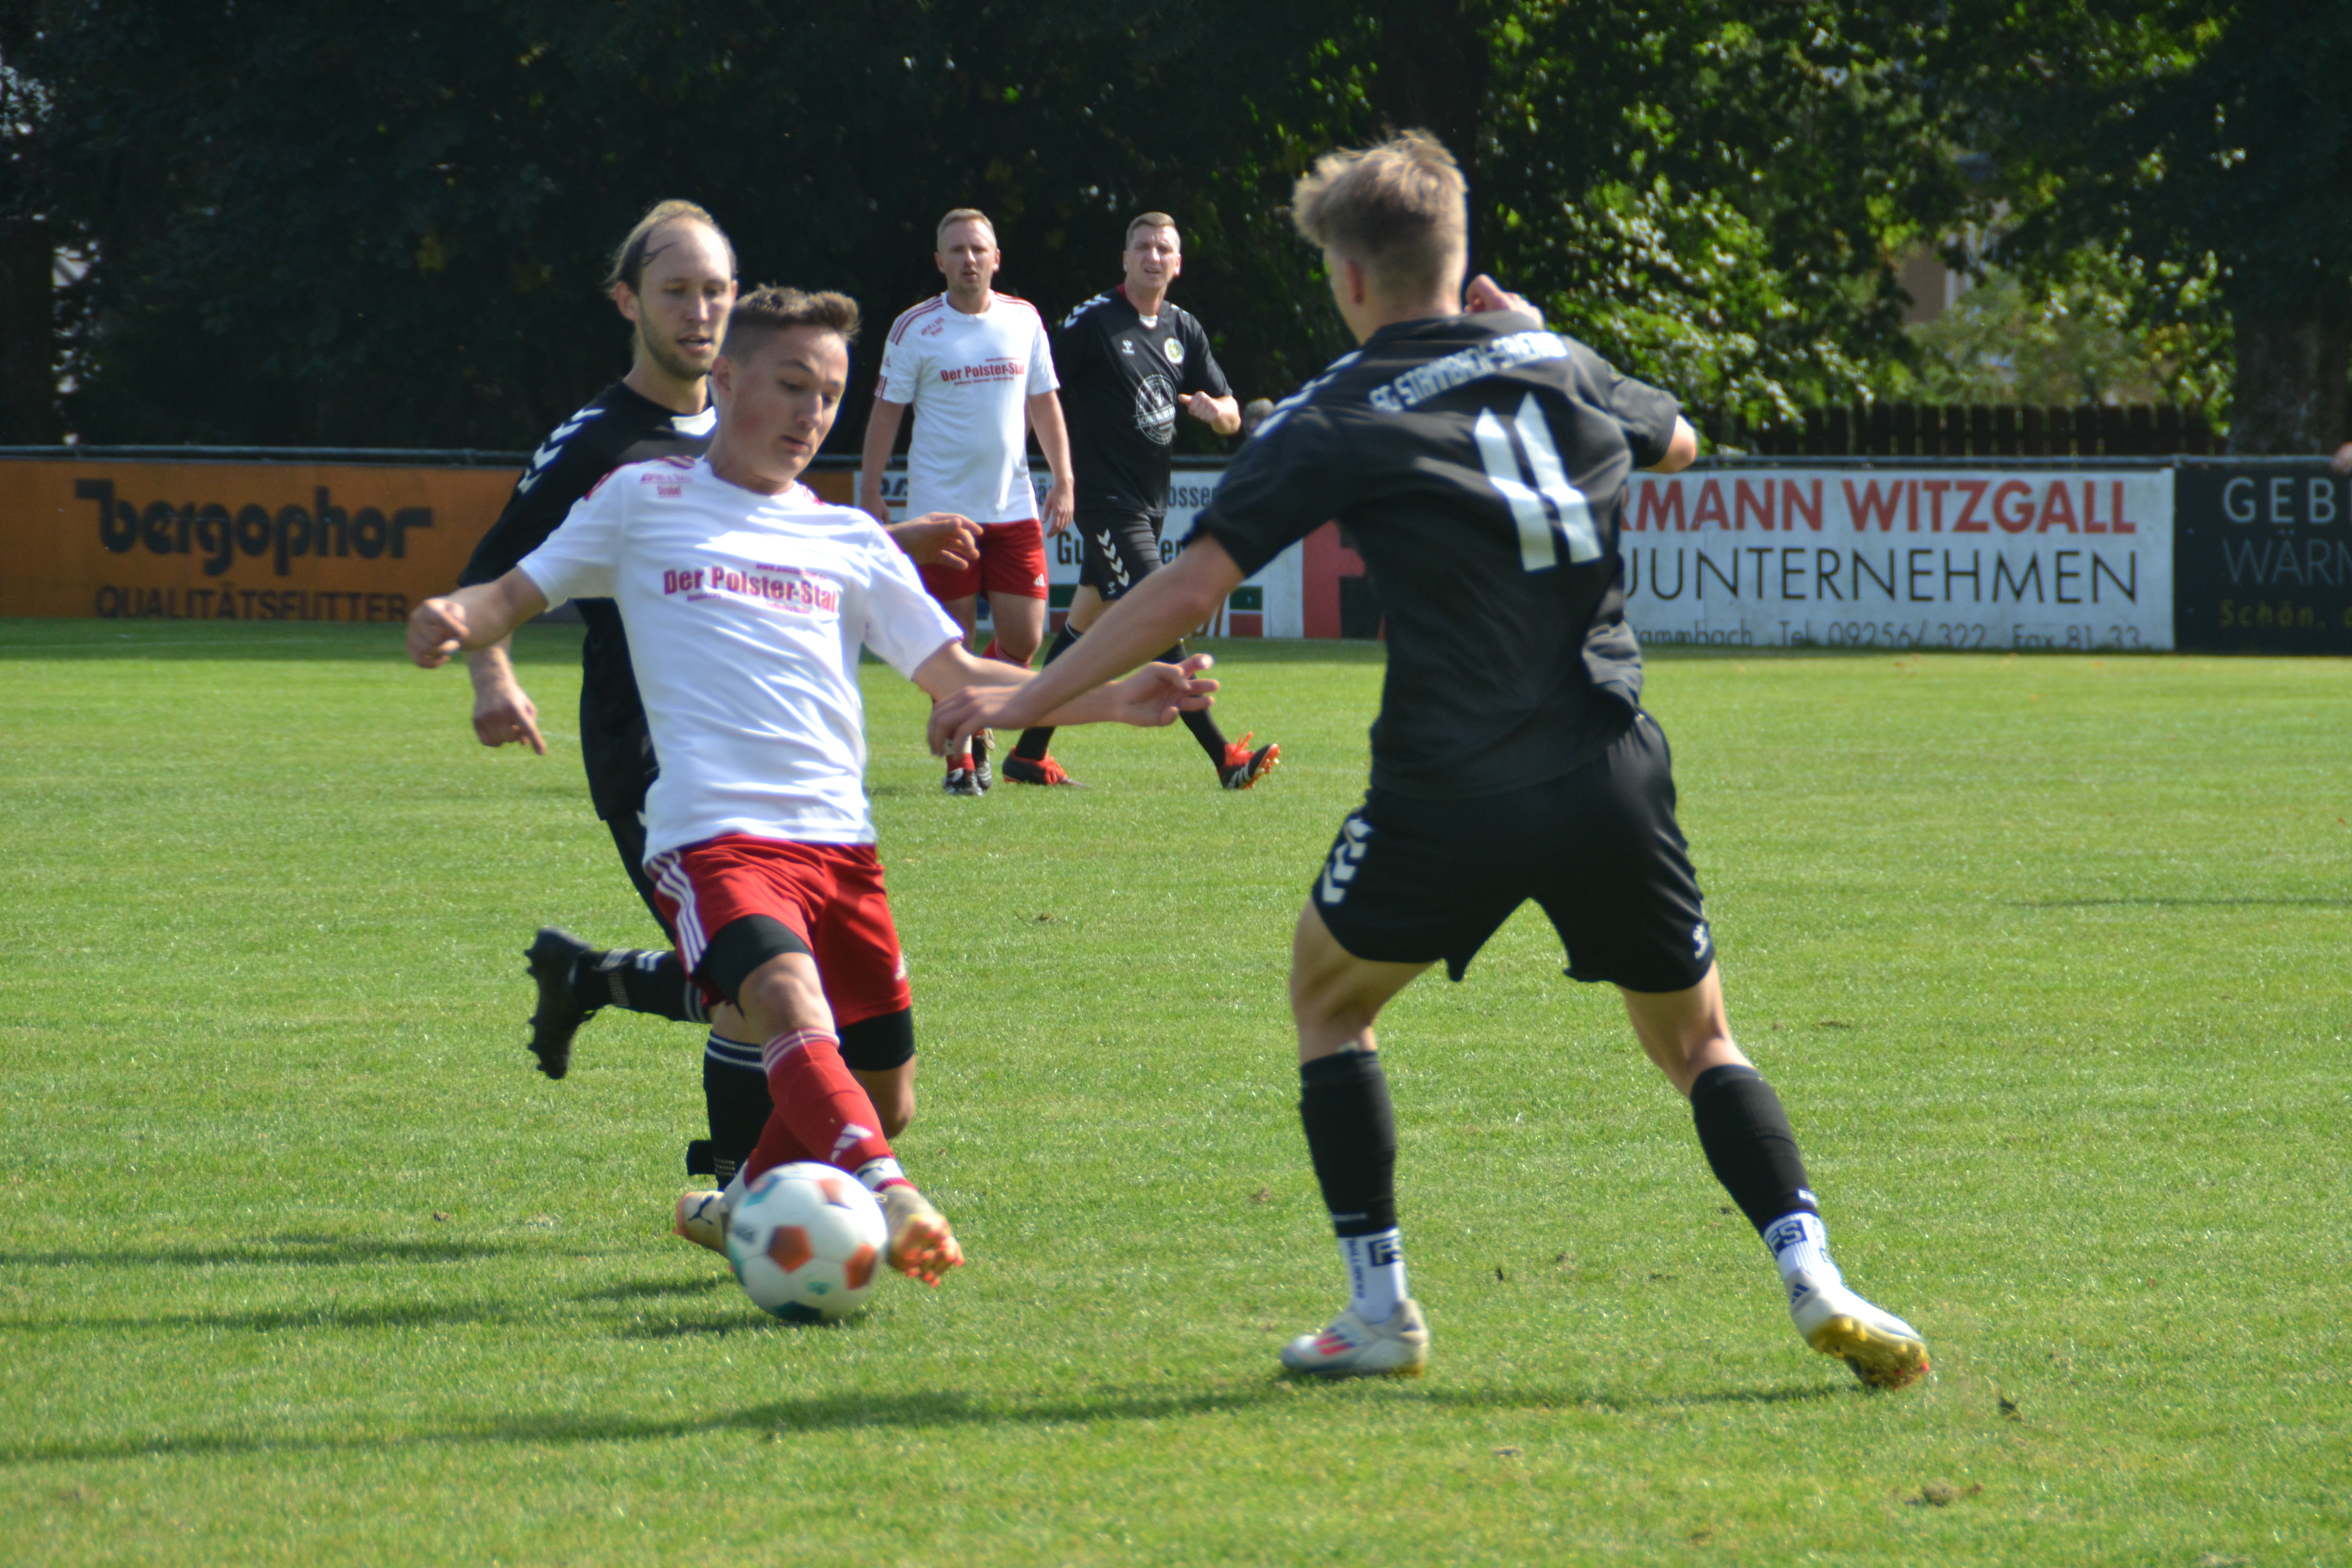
(2288, 393)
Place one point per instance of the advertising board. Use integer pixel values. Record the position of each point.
(2077, 557)
(134, 540)
(2263, 561)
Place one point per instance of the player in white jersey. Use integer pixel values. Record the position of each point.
(746, 606)
(977, 368)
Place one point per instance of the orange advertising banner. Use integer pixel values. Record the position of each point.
(135, 539)
(139, 540)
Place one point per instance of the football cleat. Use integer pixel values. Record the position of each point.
(702, 1219)
(552, 958)
(1352, 1347)
(1043, 771)
(963, 777)
(1244, 767)
(982, 742)
(1883, 1351)
(921, 1246)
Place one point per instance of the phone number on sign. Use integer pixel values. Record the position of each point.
(2082, 638)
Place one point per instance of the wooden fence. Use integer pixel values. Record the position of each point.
(1973, 430)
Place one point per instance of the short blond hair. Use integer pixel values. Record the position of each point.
(1400, 209)
(628, 265)
(1152, 220)
(962, 215)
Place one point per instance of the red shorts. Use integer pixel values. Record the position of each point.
(1012, 560)
(828, 895)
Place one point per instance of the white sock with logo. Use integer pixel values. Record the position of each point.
(1800, 1245)
(1375, 1273)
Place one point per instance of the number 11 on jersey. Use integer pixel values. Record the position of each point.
(1539, 548)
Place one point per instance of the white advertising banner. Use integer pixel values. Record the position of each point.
(1266, 604)
(1924, 558)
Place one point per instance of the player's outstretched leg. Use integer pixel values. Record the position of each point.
(1746, 1134)
(1343, 1103)
(822, 1112)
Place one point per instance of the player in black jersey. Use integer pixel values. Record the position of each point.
(1128, 360)
(1480, 463)
(672, 279)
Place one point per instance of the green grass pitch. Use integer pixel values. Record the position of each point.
(301, 1263)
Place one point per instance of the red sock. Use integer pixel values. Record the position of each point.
(821, 1112)
(997, 653)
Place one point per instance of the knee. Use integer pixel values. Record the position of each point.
(778, 998)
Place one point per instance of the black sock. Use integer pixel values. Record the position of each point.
(1343, 1102)
(638, 980)
(1747, 1138)
(1033, 744)
(737, 1099)
(1204, 729)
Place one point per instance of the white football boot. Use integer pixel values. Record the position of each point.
(1883, 1351)
(1352, 1347)
(702, 1219)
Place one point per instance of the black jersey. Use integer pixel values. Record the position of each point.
(1480, 464)
(1121, 380)
(620, 427)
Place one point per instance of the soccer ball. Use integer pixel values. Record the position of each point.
(806, 1242)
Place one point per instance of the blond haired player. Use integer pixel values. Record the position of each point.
(748, 604)
(1478, 459)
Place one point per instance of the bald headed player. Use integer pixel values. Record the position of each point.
(672, 279)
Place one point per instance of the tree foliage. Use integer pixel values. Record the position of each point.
(367, 224)
(2183, 137)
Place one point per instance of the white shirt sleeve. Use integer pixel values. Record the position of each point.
(904, 625)
(1041, 359)
(902, 371)
(581, 558)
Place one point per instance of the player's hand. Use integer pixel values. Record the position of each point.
(504, 714)
(1201, 407)
(2342, 461)
(955, 716)
(1485, 294)
(938, 538)
(1155, 694)
(436, 628)
(1061, 506)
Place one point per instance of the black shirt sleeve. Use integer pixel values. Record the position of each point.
(1281, 487)
(1202, 370)
(1646, 415)
(560, 473)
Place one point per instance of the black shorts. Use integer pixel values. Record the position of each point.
(1116, 550)
(1411, 880)
(628, 830)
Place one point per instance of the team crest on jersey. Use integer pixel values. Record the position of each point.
(1175, 347)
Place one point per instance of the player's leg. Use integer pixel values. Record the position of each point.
(1631, 914)
(957, 588)
(766, 898)
(1400, 890)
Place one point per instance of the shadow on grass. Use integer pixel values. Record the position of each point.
(927, 1408)
(2159, 902)
(318, 1252)
(654, 1289)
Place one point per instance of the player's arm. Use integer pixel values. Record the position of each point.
(1149, 617)
(1222, 414)
(936, 538)
(471, 618)
(1150, 697)
(1054, 440)
(881, 435)
(503, 710)
(1482, 293)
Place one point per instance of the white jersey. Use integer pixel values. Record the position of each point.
(745, 613)
(969, 379)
